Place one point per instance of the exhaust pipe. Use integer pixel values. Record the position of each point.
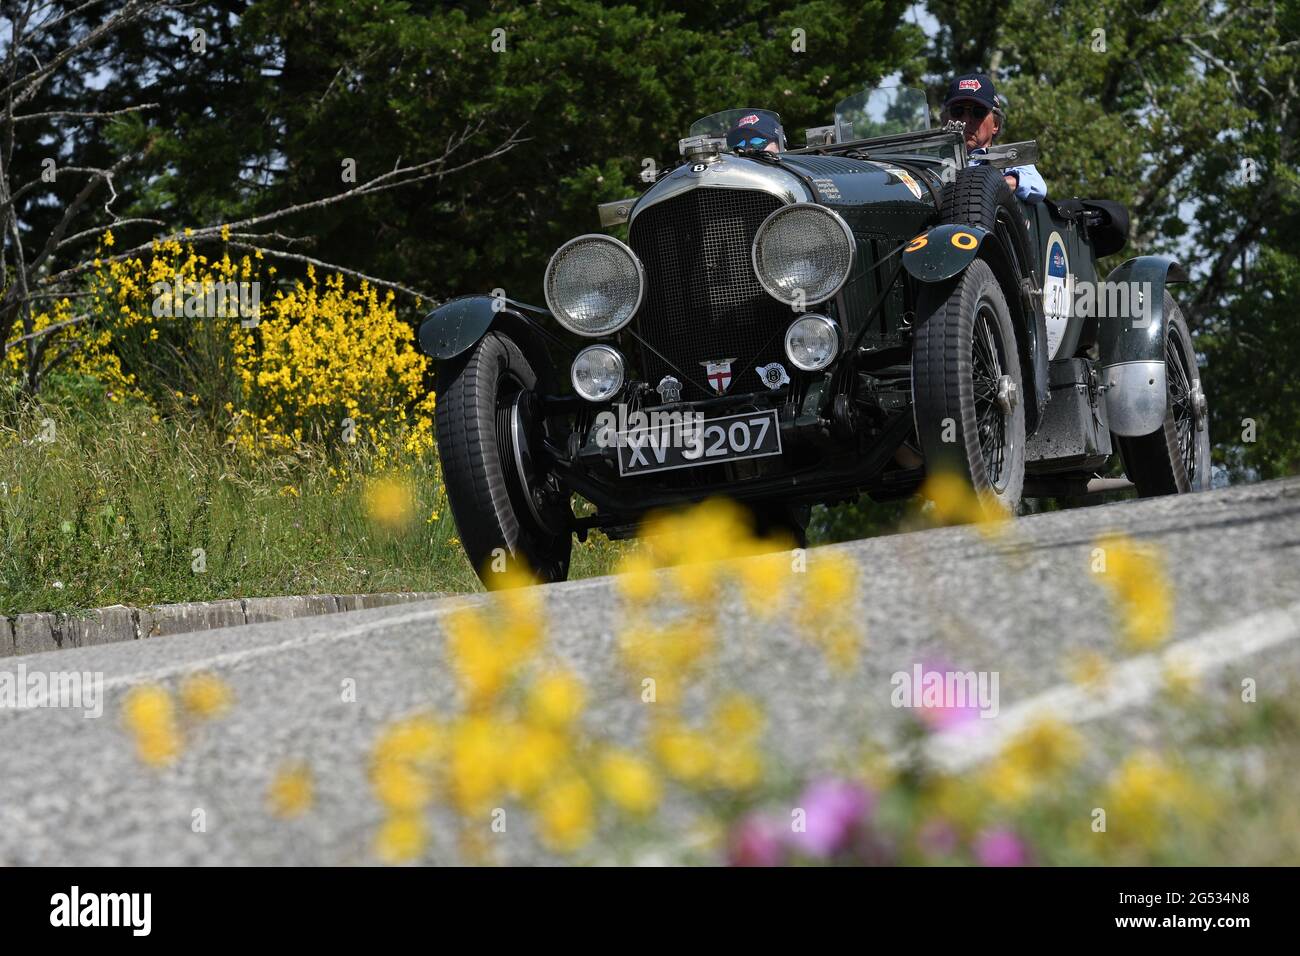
(1099, 486)
(1048, 487)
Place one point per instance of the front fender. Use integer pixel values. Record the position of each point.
(942, 252)
(1131, 342)
(454, 327)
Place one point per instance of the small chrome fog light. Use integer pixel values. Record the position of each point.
(812, 342)
(597, 373)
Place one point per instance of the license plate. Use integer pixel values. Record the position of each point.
(686, 445)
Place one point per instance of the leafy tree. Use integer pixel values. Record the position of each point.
(595, 89)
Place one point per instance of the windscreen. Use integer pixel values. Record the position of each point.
(720, 124)
(881, 111)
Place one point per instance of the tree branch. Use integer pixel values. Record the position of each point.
(49, 329)
(91, 115)
(332, 267)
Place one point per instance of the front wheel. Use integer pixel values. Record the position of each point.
(1175, 458)
(507, 509)
(967, 386)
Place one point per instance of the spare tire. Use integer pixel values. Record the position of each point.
(980, 196)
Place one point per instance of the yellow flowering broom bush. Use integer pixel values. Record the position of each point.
(328, 360)
(273, 363)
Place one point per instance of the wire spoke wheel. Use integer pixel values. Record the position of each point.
(966, 383)
(1175, 458)
(1180, 404)
(986, 374)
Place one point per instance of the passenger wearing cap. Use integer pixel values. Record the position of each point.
(971, 100)
(757, 131)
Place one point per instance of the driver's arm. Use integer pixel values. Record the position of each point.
(1030, 186)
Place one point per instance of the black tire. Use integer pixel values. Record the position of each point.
(967, 386)
(1175, 458)
(476, 396)
(980, 196)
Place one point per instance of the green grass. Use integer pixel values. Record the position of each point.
(112, 509)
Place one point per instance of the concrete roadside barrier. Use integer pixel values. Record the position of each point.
(103, 625)
(45, 631)
(257, 610)
(34, 633)
(192, 616)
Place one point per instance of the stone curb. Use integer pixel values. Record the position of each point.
(34, 633)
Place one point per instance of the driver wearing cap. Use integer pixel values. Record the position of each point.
(971, 100)
(757, 131)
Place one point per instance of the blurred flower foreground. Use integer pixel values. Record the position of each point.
(700, 782)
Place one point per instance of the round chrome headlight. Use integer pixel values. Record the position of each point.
(594, 285)
(803, 247)
(597, 373)
(812, 342)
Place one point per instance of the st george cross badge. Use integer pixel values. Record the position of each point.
(718, 374)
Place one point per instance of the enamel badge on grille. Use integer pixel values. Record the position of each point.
(718, 374)
(774, 375)
(670, 390)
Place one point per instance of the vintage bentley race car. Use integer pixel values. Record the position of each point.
(788, 328)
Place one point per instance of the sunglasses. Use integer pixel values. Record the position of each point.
(959, 110)
(751, 142)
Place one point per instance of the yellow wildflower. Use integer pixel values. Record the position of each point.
(401, 786)
(683, 752)
(534, 754)
(402, 838)
(476, 765)
(389, 502)
(292, 791)
(764, 581)
(636, 579)
(737, 717)
(556, 699)
(566, 814)
(1140, 591)
(1046, 747)
(630, 782)
(150, 714)
(206, 695)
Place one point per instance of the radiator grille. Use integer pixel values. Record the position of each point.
(702, 299)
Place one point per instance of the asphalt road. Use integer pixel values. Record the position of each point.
(73, 792)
